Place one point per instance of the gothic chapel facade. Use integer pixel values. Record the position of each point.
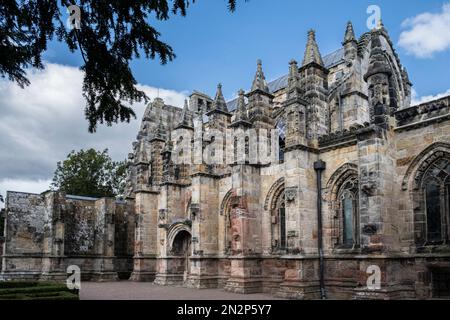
(361, 182)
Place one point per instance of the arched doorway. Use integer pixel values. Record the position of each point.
(181, 247)
(276, 205)
(225, 211)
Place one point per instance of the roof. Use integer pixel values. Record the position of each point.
(331, 60)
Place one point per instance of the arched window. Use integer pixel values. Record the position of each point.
(177, 173)
(433, 211)
(348, 213)
(281, 130)
(282, 145)
(269, 143)
(247, 149)
(282, 222)
(235, 149)
(436, 198)
(279, 238)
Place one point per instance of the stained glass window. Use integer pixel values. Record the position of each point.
(347, 205)
(433, 212)
(348, 196)
(282, 211)
(436, 188)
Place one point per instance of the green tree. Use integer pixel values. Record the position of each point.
(111, 34)
(90, 173)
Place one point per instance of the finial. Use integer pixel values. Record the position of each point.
(219, 101)
(186, 120)
(349, 33)
(312, 53)
(259, 82)
(241, 112)
(293, 78)
(160, 131)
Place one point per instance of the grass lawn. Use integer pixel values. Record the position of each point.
(34, 290)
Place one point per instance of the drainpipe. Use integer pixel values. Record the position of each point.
(319, 167)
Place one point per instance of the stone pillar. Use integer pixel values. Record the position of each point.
(205, 232)
(377, 184)
(53, 266)
(173, 219)
(246, 262)
(301, 275)
(145, 252)
(104, 245)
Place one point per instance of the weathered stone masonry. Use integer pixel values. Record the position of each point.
(47, 233)
(253, 227)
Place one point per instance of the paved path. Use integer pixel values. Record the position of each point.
(128, 290)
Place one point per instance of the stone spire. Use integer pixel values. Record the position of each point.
(349, 34)
(259, 83)
(186, 119)
(241, 116)
(293, 80)
(168, 145)
(377, 60)
(166, 153)
(241, 111)
(312, 53)
(219, 101)
(160, 131)
(142, 155)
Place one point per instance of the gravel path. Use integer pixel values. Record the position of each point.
(128, 290)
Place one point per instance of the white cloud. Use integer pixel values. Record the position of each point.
(41, 124)
(427, 33)
(416, 99)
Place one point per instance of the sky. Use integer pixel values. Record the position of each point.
(41, 124)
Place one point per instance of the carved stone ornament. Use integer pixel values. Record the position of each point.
(162, 214)
(291, 193)
(369, 187)
(195, 209)
(370, 229)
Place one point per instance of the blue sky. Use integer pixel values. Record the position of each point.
(214, 45)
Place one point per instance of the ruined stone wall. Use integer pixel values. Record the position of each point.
(45, 233)
(125, 226)
(27, 218)
(80, 227)
(2, 233)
